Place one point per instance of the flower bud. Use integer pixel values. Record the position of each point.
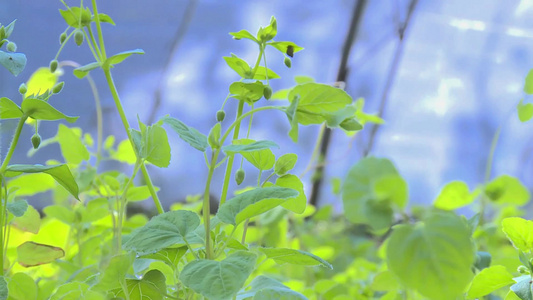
(36, 140)
(287, 62)
(23, 88)
(58, 87)
(11, 47)
(220, 115)
(53, 66)
(78, 37)
(239, 176)
(267, 92)
(62, 38)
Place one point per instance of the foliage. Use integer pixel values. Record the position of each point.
(264, 242)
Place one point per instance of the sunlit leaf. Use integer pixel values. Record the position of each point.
(489, 280)
(72, 147)
(22, 287)
(518, 231)
(9, 109)
(40, 82)
(115, 272)
(454, 195)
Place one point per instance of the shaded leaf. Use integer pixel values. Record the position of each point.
(9, 109)
(13, 62)
(190, 135)
(295, 257)
(33, 254)
(41, 110)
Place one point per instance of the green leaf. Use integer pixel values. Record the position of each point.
(269, 32)
(249, 92)
(319, 102)
(262, 73)
(190, 135)
(105, 19)
(522, 287)
(433, 257)
(243, 34)
(528, 86)
(119, 57)
(293, 118)
(247, 145)
(506, 189)
(282, 46)
(214, 136)
(9, 110)
(84, 70)
(18, 207)
(33, 254)
(3, 288)
(40, 110)
(298, 203)
(13, 62)
(75, 291)
(489, 280)
(42, 81)
(30, 221)
(72, 17)
(525, 111)
(351, 124)
(219, 280)
(22, 287)
(518, 231)
(72, 147)
(285, 163)
(265, 288)
(162, 231)
(238, 65)
(124, 153)
(152, 144)
(252, 203)
(151, 287)
(303, 79)
(262, 159)
(281, 94)
(363, 203)
(391, 188)
(454, 195)
(115, 272)
(61, 174)
(62, 213)
(295, 257)
(170, 256)
(139, 193)
(9, 29)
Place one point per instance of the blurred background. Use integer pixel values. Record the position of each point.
(443, 74)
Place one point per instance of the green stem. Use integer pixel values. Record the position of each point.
(229, 165)
(488, 171)
(13, 144)
(99, 30)
(207, 206)
(127, 127)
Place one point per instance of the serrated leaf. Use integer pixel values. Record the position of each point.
(295, 257)
(252, 203)
(219, 280)
(150, 287)
(31, 254)
(162, 231)
(190, 135)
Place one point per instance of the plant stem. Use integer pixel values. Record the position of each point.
(13, 145)
(229, 165)
(127, 127)
(206, 206)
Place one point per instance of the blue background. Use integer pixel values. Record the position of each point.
(460, 77)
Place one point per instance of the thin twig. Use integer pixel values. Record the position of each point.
(342, 73)
(393, 70)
